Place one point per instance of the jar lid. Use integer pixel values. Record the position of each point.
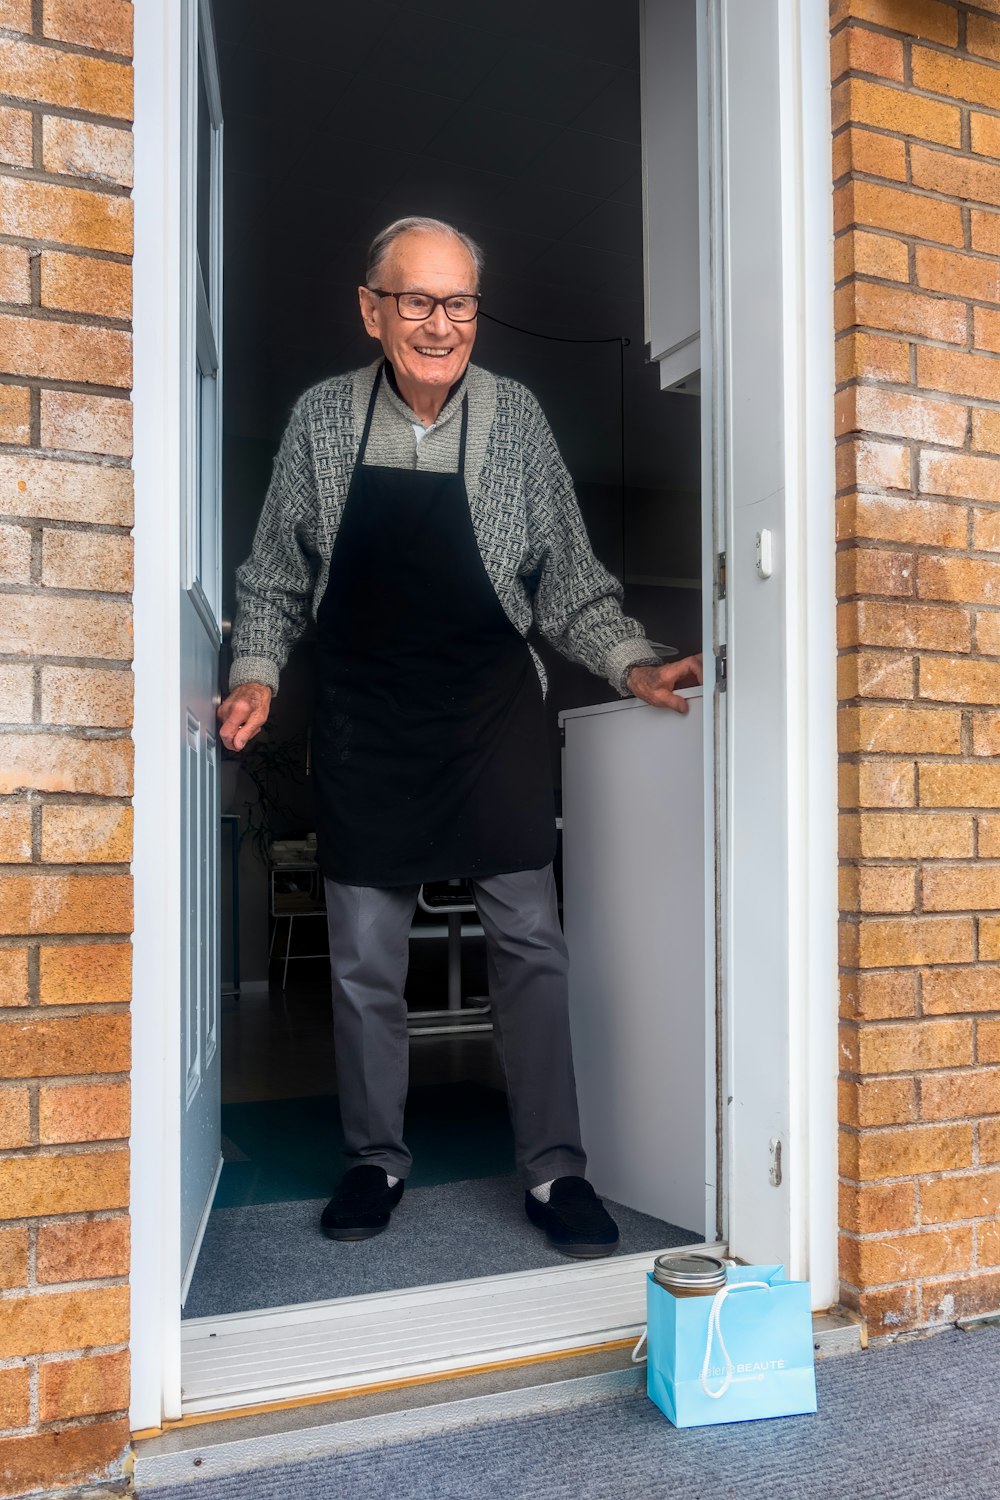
(696, 1271)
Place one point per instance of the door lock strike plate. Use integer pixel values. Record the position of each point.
(774, 1170)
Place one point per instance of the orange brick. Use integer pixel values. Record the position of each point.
(985, 228)
(65, 1455)
(989, 838)
(16, 694)
(905, 1257)
(898, 518)
(86, 696)
(861, 356)
(877, 888)
(960, 887)
(15, 1397)
(15, 15)
(985, 134)
(930, 19)
(15, 1119)
(872, 305)
(66, 215)
(65, 351)
(900, 729)
(902, 1151)
(86, 834)
(16, 137)
(988, 1132)
(900, 210)
(104, 25)
(32, 903)
(876, 997)
(63, 1046)
(939, 73)
(83, 1387)
(985, 735)
(954, 991)
(947, 679)
(989, 938)
(874, 674)
(76, 148)
(86, 424)
(13, 977)
(890, 1310)
(857, 252)
(959, 275)
(971, 1196)
(15, 554)
(982, 36)
(51, 1321)
(869, 408)
(878, 783)
(15, 831)
(878, 1101)
(869, 570)
(15, 274)
(944, 785)
(869, 622)
(988, 1244)
(944, 1301)
(988, 1032)
(882, 942)
(82, 1250)
(905, 1046)
(870, 152)
(971, 580)
(47, 75)
(872, 465)
(860, 102)
(83, 1112)
(59, 763)
(962, 177)
(77, 1183)
(33, 624)
(85, 973)
(961, 373)
(859, 51)
(957, 1096)
(986, 430)
(80, 283)
(986, 531)
(902, 835)
(986, 328)
(877, 1208)
(46, 487)
(87, 560)
(15, 412)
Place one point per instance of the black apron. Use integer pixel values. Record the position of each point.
(429, 739)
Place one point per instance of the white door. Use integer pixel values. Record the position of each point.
(200, 639)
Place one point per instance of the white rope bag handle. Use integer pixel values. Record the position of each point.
(715, 1330)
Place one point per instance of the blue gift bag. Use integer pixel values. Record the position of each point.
(745, 1353)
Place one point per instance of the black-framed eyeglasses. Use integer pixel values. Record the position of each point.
(461, 307)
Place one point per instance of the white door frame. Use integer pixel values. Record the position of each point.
(810, 812)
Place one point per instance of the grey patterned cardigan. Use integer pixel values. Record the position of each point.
(524, 512)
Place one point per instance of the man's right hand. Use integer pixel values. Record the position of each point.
(243, 714)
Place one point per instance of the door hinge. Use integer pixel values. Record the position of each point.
(721, 669)
(774, 1169)
(721, 575)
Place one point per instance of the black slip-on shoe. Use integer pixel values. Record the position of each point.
(575, 1219)
(361, 1206)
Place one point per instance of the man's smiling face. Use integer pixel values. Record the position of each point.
(433, 353)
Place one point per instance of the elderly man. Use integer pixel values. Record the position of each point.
(419, 510)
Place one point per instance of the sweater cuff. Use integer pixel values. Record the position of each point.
(253, 669)
(634, 652)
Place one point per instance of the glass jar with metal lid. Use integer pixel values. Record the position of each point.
(689, 1275)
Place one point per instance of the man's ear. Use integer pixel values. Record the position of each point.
(368, 314)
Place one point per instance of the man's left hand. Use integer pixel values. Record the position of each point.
(656, 684)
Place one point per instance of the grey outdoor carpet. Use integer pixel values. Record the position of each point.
(914, 1421)
(272, 1254)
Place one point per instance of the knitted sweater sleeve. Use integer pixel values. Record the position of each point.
(577, 603)
(274, 587)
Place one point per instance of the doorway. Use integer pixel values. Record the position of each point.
(157, 1273)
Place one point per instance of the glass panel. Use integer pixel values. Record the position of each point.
(204, 179)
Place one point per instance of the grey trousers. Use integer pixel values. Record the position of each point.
(527, 967)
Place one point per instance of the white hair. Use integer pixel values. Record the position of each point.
(383, 242)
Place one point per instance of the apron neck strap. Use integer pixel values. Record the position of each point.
(376, 383)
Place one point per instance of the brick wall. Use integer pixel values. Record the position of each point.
(65, 752)
(916, 118)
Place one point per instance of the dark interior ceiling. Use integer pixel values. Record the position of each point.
(517, 121)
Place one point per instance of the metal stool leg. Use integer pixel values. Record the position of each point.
(454, 960)
(288, 949)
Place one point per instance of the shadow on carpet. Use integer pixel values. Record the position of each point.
(273, 1254)
(279, 1149)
